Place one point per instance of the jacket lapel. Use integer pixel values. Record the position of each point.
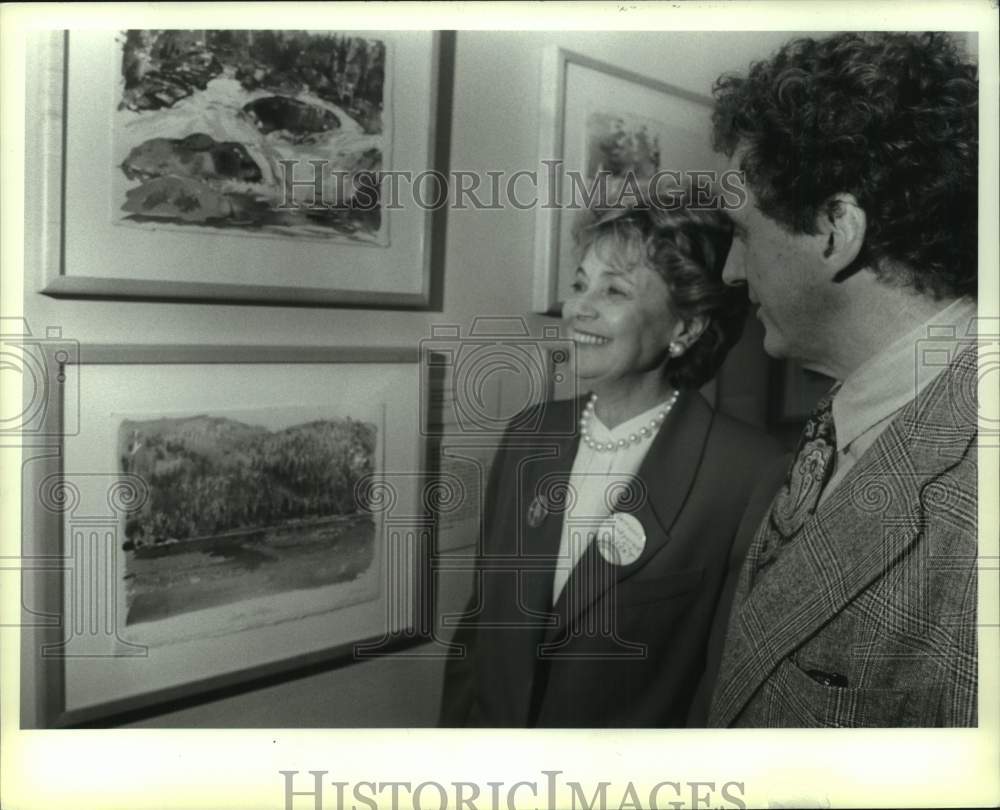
(861, 529)
(528, 555)
(663, 482)
(544, 494)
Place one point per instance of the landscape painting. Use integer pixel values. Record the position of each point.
(270, 132)
(243, 514)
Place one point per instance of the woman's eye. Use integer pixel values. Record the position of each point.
(617, 292)
(577, 287)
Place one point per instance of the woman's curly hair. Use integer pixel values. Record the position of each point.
(687, 248)
(891, 118)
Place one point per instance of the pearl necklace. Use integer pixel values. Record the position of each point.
(634, 438)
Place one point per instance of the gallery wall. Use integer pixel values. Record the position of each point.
(487, 269)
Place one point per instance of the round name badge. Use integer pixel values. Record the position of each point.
(621, 539)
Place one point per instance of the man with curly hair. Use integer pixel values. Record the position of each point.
(856, 604)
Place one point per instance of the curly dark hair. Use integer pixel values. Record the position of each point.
(687, 248)
(891, 118)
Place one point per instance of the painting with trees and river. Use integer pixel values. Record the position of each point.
(237, 511)
(210, 125)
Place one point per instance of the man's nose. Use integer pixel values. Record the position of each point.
(732, 271)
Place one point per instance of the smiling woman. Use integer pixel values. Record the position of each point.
(616, 320)
(649, 294)
(617, 540)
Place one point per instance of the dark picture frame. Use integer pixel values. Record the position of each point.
(82, 665)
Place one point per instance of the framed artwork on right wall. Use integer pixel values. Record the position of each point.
(601, 119)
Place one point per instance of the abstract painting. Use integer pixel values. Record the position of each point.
(275, 132)
(601, 123)
(238, 165)
(621, 142)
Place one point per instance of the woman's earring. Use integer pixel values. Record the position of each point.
(676, 348)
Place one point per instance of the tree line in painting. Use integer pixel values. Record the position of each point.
(160, 67)
(211, 475)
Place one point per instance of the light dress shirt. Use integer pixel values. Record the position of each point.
(595, 481)
(870, 397)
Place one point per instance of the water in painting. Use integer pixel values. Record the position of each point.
(210, 127)
(238, 511)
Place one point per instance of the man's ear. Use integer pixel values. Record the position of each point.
(842, 224)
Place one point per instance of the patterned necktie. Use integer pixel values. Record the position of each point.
(799, 495)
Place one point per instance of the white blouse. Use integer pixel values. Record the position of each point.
(596, 480)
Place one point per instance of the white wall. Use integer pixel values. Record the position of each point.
(488, 254)
(488, 271)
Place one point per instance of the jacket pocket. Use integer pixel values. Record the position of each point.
(804, 702)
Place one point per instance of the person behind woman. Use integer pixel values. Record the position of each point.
(605, 550)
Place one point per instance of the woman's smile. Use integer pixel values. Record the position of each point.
(620, 320)
(588, 338)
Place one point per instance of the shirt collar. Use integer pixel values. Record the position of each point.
(886, 382)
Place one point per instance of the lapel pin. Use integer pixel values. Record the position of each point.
(621, 539)
(537, 512)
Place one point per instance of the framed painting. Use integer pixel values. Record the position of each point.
(599, 119)
(458, 460)
(223, 515)
(234, 165)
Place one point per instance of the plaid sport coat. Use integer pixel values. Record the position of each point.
(868, 617)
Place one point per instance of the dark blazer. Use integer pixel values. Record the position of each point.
(624, 645)
(878, 589)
